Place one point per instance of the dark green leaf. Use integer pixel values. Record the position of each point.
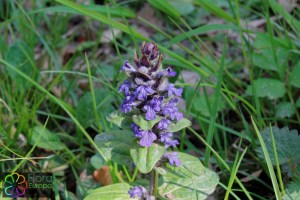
(143, 123)
(264, 56)
(46, 139)
(183, 123)
(265, 87)
(19, 55)
(285, 109)
(191, 180)
(116, 145)
(287, 144)
(145, 158)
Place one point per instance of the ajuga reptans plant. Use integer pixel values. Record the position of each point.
(149, 117)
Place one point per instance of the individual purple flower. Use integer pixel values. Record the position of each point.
(163, 124)
(167, 72)
(173, 159)
(142, 92)
(125, 87)
(136, 191)
(128, 67)
(173, 91)
(152, 107)
(137, 131)
(170, 109)
(147, 138)
(128, 103)
(166, 138)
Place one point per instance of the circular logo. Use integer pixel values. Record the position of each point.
(15, 185)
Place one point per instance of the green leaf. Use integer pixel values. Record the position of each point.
(287, 144)
(264, 56)
(19, 55)
(184, 7)
(285, 109)
(97, 161)
(47, 139)
(116, 145)
(143, 123)
(117, 191)
(183, 123)
(293, 191)
(145, 158)
(113, 11)
(191, 180)
(85, 112)
(120, 119)
(265, 87)
(295, 76)
(166, 7)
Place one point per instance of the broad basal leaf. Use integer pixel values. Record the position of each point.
(183, 123)
(293, 191)
(46, 139)
(265, 87)
(263, 56)
(120, 119)
(145, 158)
(191, 180)
(117, 191)
(143, 123)
(287, 144)
(116, 145)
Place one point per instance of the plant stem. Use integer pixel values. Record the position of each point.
(153, 184)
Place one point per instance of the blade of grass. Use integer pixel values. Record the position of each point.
(213, 114)
(59, 102)
(276, 161)
(268, 160)
(216, 10)
(233, 173)
(93, 93)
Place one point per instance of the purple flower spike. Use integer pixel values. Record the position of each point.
(173, 159)
(147, 138)
(166, 138)
(127, 67)
(163, 124)
(142, 91)
(125, 87)
(152, 107)
(173, 91)
(136, 191)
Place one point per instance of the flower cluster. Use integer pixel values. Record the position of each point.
(148, 90)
